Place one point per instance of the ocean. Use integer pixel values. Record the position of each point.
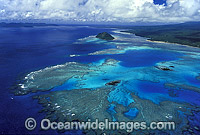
(27, 49)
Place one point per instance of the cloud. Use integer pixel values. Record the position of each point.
(101, 11)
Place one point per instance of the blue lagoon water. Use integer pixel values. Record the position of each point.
(25, 50)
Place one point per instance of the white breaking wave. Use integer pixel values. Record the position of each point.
(120, 32)
(85, 38)
(74, 55)
(31, 75)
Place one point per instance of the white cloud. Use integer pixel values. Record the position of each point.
(104, 10)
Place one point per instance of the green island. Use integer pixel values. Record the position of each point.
(184, 33)
(105, 36)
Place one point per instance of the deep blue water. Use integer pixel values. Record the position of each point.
(23, 50)
(192, 80)
(133, 58)
(132, 113)
(136, 58)
(150, 87)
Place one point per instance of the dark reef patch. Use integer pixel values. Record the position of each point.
(163, 68)
(114, 82)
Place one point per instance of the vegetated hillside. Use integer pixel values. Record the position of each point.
(185, 33)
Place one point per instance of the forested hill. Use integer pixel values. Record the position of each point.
(185, 33)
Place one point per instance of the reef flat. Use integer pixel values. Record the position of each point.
(134, 80)
(48, 78)
(83, 104)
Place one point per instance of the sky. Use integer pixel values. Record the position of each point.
(125, 11)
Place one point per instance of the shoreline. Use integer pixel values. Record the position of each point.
(149, 40)
(155, 41)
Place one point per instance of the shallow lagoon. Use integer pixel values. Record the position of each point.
(130, 59)
(135, 66)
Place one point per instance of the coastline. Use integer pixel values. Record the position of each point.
(158, 40)
(149, 40)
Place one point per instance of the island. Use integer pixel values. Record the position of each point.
(114, 83)
(184, 33)
(105, 36)
(164, 68)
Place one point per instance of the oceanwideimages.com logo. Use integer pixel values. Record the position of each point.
(46, 124)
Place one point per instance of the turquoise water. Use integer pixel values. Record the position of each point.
(135, 62)
(136, 68)
(23, 50)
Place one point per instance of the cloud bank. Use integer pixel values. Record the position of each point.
(100, 11)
